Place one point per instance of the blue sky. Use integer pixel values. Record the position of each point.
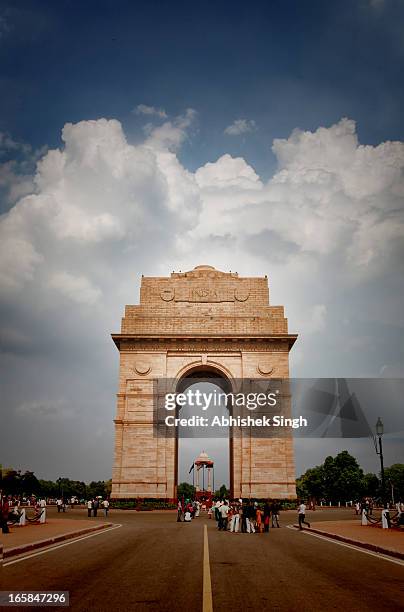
(140, 138)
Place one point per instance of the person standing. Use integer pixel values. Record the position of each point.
(258, 520)
(302, 516)
(217, 513)
(4, 512)
(223, 512)
(89, 507)
(235, 521)
(179, 512)
(267, 515)
(275, 513)
(95, 506)
(250, 516)
(105, 503)
(59, 504)
(243, 517)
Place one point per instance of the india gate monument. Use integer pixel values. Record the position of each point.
(199, 322)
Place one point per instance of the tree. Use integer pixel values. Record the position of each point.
(343, 477)
(186, 490)
(339, 478)
(29, 484)
(223, 492)
(11, 482)
(311, 484)
(97, 488)
(48, 488)
(394, 475)
(371, 485)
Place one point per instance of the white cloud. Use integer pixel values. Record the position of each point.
(331, 197)
(171, 134)
(95, 196)
(240, 126)
(327, 228)
(227, 172)
(143, 109)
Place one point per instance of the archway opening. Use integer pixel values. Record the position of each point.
(214, 442)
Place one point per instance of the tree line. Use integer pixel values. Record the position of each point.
(341, 479)
(25, 484)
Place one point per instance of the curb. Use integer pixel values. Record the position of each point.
(373, 547)
(19, 550)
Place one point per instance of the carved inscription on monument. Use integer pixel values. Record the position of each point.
(204, 294)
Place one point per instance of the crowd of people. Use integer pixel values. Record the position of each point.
(10, 508)
(95, 504)
(236, 516)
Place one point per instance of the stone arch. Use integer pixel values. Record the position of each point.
(216, 374)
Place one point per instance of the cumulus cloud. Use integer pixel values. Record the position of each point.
(227, 172)
(240, 126)
(171, 134)
(329, 195)
(327, 228)
(143, 109)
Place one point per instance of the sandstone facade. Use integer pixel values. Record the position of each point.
(202, 320)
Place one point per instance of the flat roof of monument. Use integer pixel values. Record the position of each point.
(207, 268)
(290, 339)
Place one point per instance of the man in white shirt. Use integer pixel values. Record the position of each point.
(217, 513)
(302, 516)
(223, 512)
(105, 503)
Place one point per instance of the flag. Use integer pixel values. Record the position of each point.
(191, 468)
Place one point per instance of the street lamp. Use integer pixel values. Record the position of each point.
(379, 434)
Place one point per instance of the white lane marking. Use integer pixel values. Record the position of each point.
(51, 548)
(358, 548)
(207, 604)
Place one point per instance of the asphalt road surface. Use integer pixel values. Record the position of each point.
(152, 562)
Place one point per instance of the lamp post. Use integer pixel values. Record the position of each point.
(379, 434)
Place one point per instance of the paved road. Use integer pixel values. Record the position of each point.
(154, 563)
